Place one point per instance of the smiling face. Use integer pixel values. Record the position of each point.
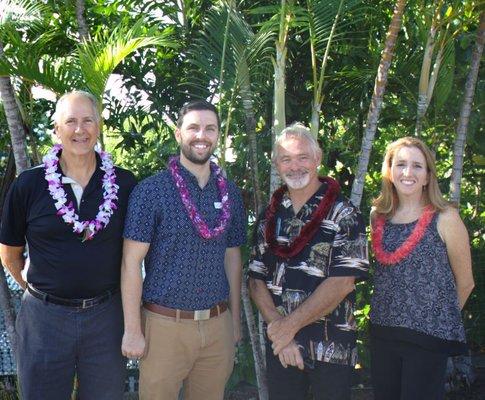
(77, 126)
(409, 171)
(197, 136)
(297, 163)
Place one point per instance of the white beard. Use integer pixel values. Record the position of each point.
(296, 183)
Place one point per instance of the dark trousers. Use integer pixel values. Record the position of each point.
(404, 371)
(326, 381)
(55, 342)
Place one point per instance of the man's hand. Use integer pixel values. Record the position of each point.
(290, 355)
(281, 332)
(133, 345)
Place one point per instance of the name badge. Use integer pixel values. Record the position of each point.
(217, 205)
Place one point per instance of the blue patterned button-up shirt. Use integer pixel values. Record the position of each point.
(183, 270)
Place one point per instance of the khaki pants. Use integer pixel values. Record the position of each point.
(199, 354)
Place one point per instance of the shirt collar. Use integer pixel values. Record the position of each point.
(191, 179)
(314, 199)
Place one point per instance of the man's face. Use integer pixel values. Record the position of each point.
(296, 163)
(198, 135)
(77, 127)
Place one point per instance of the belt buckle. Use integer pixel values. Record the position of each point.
(87, 303)
(200, 315)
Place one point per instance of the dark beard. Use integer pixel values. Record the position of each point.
(192, 158)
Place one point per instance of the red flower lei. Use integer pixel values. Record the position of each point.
(388, 258)
(310, 228)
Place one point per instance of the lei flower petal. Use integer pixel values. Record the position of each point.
(110, 189)
(390, 258)
(192, 211)
(309, 229)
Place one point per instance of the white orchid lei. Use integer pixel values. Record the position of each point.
(67, 211)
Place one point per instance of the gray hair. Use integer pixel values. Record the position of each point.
(75, 93)
(299, 131)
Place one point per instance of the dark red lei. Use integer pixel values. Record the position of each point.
(388, 258)
(310, 228)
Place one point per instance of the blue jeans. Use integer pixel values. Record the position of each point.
(55, 342)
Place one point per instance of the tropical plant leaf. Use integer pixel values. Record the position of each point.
(243, 56)
(446, 74)
(99, 57)
(20, 12)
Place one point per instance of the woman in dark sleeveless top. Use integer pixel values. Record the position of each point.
(422, 277)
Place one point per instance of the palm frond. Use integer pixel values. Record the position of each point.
(323, 13)
(20, 12)
(99, 57)
(29, 62)
(446, 74)
(229, 48)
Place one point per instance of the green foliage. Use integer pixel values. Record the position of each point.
(99, 57)
(222, 50)
(243, 366)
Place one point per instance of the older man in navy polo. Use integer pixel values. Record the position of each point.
(187, 224)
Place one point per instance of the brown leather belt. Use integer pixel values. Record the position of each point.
(197, 315)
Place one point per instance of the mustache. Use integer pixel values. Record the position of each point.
(297, 174)
(194, 142)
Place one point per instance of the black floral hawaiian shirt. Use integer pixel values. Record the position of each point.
(339, 248)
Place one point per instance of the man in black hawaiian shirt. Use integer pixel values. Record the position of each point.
(310, 249)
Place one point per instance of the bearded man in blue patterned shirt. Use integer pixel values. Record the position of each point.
(187, 224)
(310, 249)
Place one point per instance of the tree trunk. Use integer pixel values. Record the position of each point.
(425, 70)
(279, 64)
(315, 119)
(376, 102)
(461, 131)
(17, 135)
(81, 21)
(257, 341)
(14, 121)
(250, 122)
(6, 304)
(318, 85)
(259, 364)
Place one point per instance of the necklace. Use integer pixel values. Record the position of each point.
(310, 228)
(389, 258)
(192, 211)
(66, 211)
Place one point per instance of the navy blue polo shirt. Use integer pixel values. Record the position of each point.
(183, 270)
(62, 264)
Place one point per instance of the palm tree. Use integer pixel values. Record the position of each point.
(81, 21)
(441, 33)
(279, 66)
(376, 102)
(325, 21)
(12, 14)
(461, 131)
(236, 61)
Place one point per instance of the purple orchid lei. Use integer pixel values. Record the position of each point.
(194, 215)
(66, 211)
